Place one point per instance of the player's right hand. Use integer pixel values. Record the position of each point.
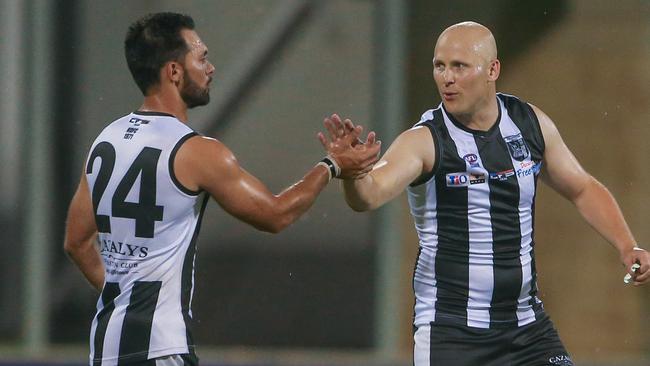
(354, 157)
(641, 257)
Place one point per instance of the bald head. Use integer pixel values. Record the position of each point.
(466, 68)
(470, 36)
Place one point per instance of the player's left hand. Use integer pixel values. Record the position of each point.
(640, 256)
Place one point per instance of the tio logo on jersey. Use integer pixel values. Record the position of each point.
(456, 180)
(463, 179)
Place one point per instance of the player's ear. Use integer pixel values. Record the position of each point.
(494, 70)
(173, 71)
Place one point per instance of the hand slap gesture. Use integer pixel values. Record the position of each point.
(354, 157)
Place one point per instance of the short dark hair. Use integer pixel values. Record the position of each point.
(152, 41)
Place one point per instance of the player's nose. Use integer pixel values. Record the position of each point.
(448, 76)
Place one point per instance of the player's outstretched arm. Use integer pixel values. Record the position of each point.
(562, 172)
(411, 155)
(205, 163)
(80, 234)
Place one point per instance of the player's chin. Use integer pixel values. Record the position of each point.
(450, 106)
(204, 98)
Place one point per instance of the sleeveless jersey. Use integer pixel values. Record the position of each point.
(148, 224)
(474, 216)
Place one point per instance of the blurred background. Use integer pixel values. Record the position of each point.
(334, 288)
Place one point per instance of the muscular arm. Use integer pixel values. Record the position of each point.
(205, 163)
(80, 235)
(410, 155)
(564, 174)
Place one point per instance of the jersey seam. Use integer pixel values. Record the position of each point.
(439, 151)
(172, 174)
(154, 113)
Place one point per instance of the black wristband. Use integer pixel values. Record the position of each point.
(331, 165)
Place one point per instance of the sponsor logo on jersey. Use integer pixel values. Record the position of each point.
(137, 121)
(517, 147)
(526, 168)
(121, 258)
(526, 164)
(463, 179)
(561, 360)
(457, 180)
(533, 168)
(123, 249)
(130, 132)
(476, 178)
(502, 175)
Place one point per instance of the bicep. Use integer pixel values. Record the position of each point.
(561, 170)
(239, 193)
(410, 155)
(211, 166)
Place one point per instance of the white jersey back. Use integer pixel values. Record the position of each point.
(148, 224)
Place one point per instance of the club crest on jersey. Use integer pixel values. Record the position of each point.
(463, 179)
(517, 147)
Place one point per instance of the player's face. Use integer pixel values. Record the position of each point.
(195, 89)
(461, 75)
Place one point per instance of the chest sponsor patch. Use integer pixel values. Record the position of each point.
(502, 175)
(527, 168)
(463, 179)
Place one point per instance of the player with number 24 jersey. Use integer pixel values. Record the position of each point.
(147, 223)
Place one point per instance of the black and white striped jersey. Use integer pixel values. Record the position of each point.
(148, 224)
(474, 215)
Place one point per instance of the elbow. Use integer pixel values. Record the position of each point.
(275, 223)
(585, 191)
(283, 214)
(359, 205)
(70, 248)
(356, 207)
(272, 227)
(282, 222)
(75, 245)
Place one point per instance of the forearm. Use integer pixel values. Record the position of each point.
(88, 260)
(294, 201)
(599, 208)
(360, 194)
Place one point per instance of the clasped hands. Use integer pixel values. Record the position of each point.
(354, 157)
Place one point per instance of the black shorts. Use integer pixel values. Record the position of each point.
(171, 360)
(535, 344)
